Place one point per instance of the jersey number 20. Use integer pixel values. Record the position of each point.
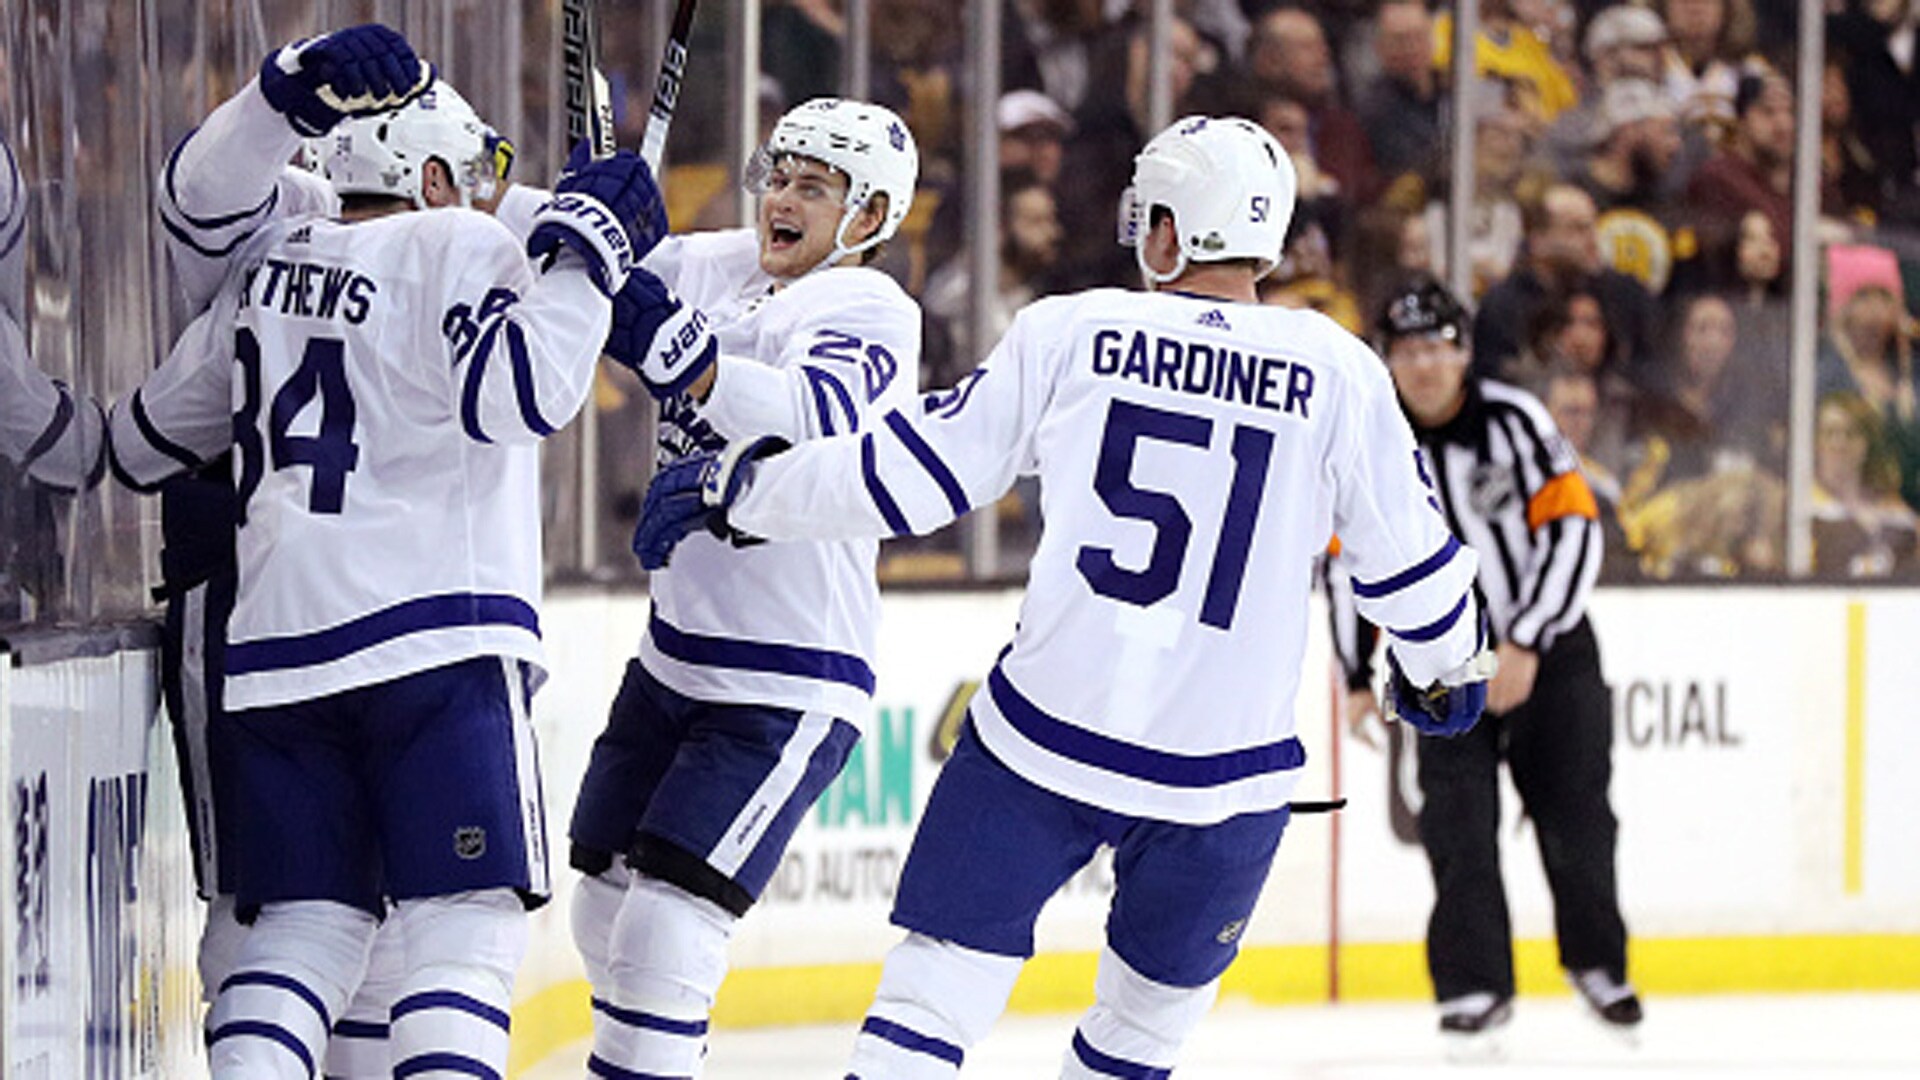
(331, 454)
(1128, 423)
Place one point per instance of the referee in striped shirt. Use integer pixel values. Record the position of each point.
(1511, 489)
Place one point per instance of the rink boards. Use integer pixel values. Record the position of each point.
(1765, 779)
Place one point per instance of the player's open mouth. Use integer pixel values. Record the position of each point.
(783, 236)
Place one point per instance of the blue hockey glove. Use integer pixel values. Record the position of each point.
(609, 210)
(359, 71)
(695, 493)
(1438, 710)
(665, 342)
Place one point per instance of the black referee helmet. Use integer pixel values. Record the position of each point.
(1422, 307)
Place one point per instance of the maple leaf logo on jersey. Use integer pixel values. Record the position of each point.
(1214, 318)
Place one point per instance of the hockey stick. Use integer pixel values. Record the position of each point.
(588, 100)
(1327, 806)
(666, 88)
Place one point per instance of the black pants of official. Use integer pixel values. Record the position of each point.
(1558, 748)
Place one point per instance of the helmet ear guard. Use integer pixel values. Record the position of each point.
(1229, 185)
(868, 144)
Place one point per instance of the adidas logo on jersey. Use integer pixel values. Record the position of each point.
(1214, 318)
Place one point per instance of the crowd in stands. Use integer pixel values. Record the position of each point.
(1630, 231)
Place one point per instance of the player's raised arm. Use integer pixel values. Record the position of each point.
(522, 344)
(231, 175)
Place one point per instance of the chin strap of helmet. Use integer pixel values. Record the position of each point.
(840, 248)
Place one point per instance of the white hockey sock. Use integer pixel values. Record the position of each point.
(450, 1016)
(358, 1048)
(220, 942)
(668, 958)
(596, 904)
(936, 999)
(1136, 1026)
(296, 969)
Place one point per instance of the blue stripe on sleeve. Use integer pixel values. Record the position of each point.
(11, 239)
(186, 238)
(523, 388)
(1437, 627)
(211, 223)
(158, 441)
(824, 383)
(1412, 575)
(1141, 762)
(763, 656)
(438, 612)
(930, 461)
(56, 427)
(470, 391)
(877, 489)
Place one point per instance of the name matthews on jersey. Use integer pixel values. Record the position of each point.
(1196, 367)
(309, 289)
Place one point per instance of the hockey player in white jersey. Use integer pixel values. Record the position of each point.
(756, 672)
(1195, 450)
(384, 380)
(223, 182)
(46, 431)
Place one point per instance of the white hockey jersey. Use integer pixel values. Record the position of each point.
(1194, 457)
(789, 625)
(53, 436)
(385, 385)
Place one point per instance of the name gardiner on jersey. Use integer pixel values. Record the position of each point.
(1205, 370)
(313, 290)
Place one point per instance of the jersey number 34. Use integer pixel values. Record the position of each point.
(1128, 425)
(331, 453)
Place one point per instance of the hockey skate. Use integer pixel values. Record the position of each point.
(1613, 1001)
(1471, 1026)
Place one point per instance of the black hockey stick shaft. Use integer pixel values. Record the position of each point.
(1324, 806)
(666, 87)
(589, 113)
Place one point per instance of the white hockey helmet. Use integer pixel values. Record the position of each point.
(868, 143)
(1229, 184)
(387, 154)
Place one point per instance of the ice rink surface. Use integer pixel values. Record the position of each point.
(1786, 1037)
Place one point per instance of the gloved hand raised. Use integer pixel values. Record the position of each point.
(359, 71)
(609, 210)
